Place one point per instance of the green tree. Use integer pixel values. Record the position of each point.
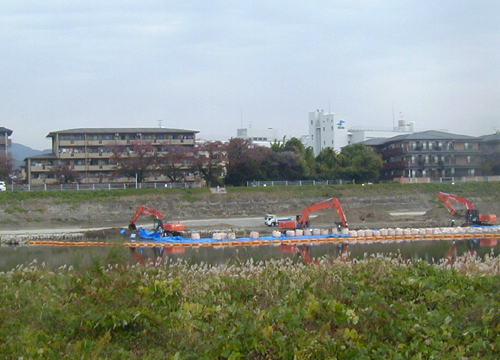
(304, 159)
(295, 145)
(327, 164)
(278, 146)
(285, 165)
(359, 162)
(490, 164)
(245, 162)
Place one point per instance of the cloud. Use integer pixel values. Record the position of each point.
(214, 66)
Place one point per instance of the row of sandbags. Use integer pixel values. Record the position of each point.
(25, 239)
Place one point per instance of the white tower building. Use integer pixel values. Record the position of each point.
(327, 129)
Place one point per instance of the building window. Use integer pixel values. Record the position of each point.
(93, 137)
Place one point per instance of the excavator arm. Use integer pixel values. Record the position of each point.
(304, 218)
(144, 210)
(445, 198)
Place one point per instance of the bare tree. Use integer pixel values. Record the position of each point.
(136, 161)
(6, 167)
(174, 161)
(210, 160)
(64, 174)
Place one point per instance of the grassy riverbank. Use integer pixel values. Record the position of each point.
(365, 206)
(377, 308)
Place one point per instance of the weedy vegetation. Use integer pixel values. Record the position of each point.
(379, 307)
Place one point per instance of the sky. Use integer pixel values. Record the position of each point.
(216, 66)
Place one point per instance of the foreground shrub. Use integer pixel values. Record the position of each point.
(376, 308)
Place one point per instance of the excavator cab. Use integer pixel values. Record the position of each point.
(472, 216)
(158, 226)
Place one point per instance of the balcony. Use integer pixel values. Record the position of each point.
(100, 167)
(72, 155)
(395, 165)
(39, 168)
(392, 152)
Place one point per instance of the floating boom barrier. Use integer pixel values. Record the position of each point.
(152, 239)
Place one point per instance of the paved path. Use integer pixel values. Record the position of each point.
(195, 223)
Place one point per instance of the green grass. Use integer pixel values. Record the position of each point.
(73, 196)
(376, 308)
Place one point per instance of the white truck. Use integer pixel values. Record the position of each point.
(272, 220)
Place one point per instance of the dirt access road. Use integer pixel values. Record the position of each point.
(247, 222)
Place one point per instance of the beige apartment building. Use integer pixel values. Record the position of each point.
(88, 151)
(5, 142)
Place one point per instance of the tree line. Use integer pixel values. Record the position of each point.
(239, 161)
(233, 163)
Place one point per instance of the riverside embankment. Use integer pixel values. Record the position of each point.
(372, 206)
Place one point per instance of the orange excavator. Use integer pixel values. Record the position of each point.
(472, 215)
(302, 221)
(160, 226)
(304, 251)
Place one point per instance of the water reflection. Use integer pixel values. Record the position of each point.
(431, 251)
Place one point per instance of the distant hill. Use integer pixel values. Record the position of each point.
(19, 152)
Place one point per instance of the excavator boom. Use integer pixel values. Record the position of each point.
(445, 198)
(303, 220)
(144, 210)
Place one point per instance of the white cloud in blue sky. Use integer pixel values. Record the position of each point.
(212, 66)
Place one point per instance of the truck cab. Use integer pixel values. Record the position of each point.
(271, 220)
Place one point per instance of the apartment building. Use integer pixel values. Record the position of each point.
(428, 154)
(490, 153)
(5, 142)
(89, 152)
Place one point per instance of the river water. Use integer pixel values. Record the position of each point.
(83, 257)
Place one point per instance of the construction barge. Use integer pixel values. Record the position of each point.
(153, 239)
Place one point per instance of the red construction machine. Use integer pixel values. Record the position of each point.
(472, 215)
(302, 221)
(163, 228)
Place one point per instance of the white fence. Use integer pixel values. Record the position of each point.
(107, 186)
(299, 182)
(458, 179)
